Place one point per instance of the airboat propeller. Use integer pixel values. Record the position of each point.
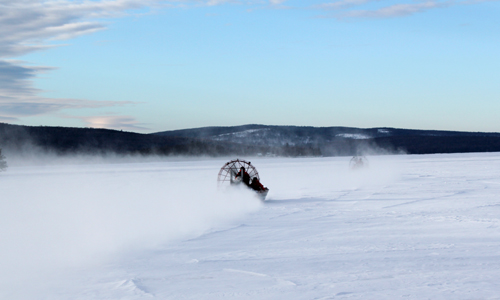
(240, 171)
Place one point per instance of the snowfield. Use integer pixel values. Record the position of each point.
(409, 227)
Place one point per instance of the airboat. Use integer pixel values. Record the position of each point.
(358, 162)
(237, 172)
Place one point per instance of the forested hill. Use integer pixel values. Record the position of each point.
(70, 140)
(20, 139)
(348, 140)
(245, 140)
(301, 134)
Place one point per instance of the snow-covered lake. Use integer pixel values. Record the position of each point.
(411, 227)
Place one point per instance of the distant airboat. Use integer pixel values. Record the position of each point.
(240, 171)
(358, 162)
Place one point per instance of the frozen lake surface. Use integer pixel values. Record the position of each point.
(411, 227)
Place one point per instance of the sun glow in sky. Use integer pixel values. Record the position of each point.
(154, 65)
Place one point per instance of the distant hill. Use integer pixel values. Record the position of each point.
(347, 140)
(18, 139)
(305, 134)
(244, 140)
(63, 140)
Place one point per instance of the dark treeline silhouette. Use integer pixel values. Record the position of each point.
(440, 144)
(290, 141)
(68, 140)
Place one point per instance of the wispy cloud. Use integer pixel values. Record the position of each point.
(397, 10)
(342, 4)
(218, 2)
(25, 106)
(112, 122)
(29, 25)
(365, 9)
(34, 25)
(15, 78)
(277, 2)
(18, 98)
(7, 119)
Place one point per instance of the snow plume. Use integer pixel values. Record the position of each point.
(352, 144)
(314, 177)
(60, 217)
(374, 148)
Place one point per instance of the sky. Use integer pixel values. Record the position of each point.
(151, 65)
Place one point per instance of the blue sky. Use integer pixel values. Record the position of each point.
(148, 66)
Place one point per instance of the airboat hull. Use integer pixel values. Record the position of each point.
(263, 194)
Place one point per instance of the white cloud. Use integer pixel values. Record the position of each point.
(351, 9)
(217, 2)
(24, 106)
(7, 119)
(27, 26)
(276, 2)
(112, 122)
(18, 98)
(342, 4)
(30, 25)
(397, 10)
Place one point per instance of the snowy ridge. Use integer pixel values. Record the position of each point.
(333, 141)
(264, 136)
(240, 134)
(384, 131)
(356, 136)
